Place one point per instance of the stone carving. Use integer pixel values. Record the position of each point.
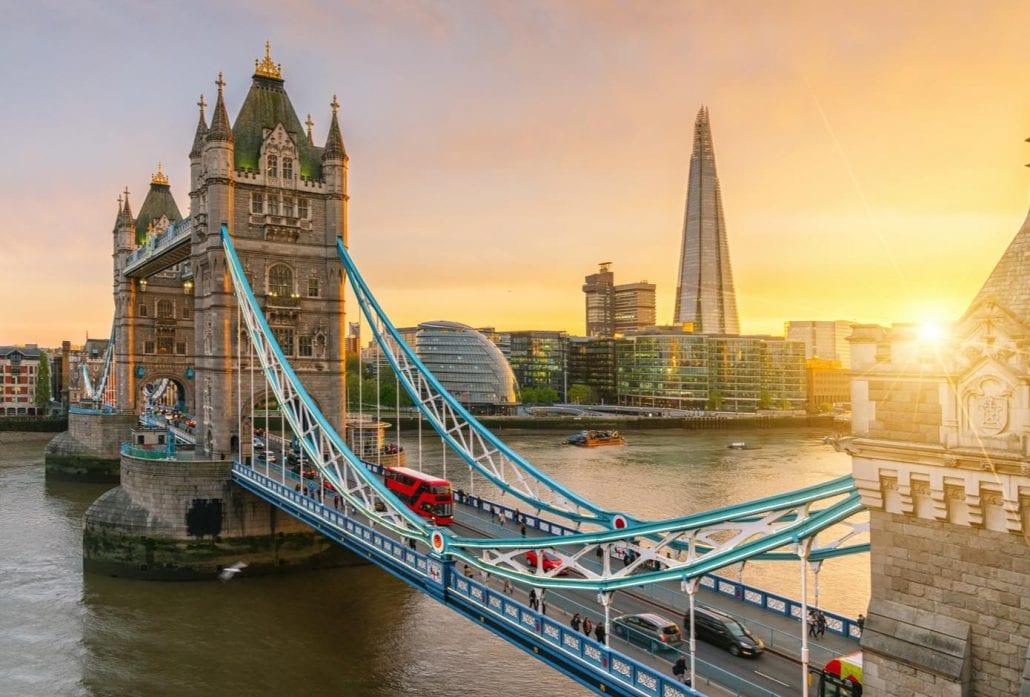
(989, 406)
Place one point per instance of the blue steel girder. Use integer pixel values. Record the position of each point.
(676, 549)
(352, 480)
(96, 392)
(475, 444)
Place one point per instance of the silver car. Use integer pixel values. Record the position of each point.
(648, 629)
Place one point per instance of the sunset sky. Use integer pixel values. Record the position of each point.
(870, 154)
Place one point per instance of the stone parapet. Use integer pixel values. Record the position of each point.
(89, 449)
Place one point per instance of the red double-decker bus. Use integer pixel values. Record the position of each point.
(430, 497)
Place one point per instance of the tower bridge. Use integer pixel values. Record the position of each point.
(242, 301)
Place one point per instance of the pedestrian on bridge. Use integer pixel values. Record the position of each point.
(522, 529)
(861, 623)
(820, 622)
(533, 602)
(588, 626)
(679, 669)
(811, 623)
(576, 622)
(599, 632)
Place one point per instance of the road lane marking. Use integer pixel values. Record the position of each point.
(769, 677)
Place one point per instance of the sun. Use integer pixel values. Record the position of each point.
(932, 332)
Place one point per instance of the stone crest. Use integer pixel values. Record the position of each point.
(989, 406)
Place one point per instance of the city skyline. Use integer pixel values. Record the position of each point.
(832, 202)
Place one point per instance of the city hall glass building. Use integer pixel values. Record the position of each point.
(468, 365)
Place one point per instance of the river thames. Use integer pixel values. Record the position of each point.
(353, 631)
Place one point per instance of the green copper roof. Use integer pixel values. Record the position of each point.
(159, 201)
(266, 105)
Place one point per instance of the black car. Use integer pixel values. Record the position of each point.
(724, 631)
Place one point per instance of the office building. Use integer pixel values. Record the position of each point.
(827, 340)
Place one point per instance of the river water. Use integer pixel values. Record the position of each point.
(354, 631)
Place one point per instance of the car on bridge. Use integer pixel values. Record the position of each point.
(648, 629)
(725, 631)
(550, 562)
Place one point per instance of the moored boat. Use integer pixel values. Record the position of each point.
(591, 439)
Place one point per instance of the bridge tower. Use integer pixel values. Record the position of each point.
(284, 200)
(941, 455)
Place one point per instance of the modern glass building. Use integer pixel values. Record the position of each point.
(468, 365)
(591, 362)
(670, 368)
(662, 370)
(538, 359)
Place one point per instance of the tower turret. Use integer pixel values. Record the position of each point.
(334, 171)
(199, 138)
(218, 143)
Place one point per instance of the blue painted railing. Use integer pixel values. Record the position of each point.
(781, 605)
(436, 576)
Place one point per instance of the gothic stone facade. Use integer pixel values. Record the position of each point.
(284, 201)
(941, 455)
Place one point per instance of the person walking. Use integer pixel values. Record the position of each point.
(820, 622)
(588, 626)
(861, 623)
(522, 529)
(508, 588)
(811, 623)
(576, 622)
(599, 632)
(532, 599)
(679, 668)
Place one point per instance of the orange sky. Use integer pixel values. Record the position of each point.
(870, 157)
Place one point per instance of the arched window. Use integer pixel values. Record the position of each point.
(273, 165)
(165, 309)
(280, 281)
(287, 168)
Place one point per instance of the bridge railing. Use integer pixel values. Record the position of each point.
(640, 678)
(781, 605)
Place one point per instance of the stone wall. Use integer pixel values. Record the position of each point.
(968, 590)
(905, 411)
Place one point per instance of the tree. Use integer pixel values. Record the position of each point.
(539, 395)
(765, 400)
(714, 401)
(42, 384)
(582, 394)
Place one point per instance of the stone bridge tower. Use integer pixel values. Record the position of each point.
(941, 455)
(285, 202)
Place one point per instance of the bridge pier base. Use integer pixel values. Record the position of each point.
(89, 450)
(185, 520)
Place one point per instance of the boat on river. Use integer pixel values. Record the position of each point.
(592, 439)
(742, 445)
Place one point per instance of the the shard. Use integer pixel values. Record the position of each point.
(704, 294)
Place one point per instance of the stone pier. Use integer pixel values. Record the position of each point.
(89, 450)
(184, 519)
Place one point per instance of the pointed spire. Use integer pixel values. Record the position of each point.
(124, 210)
(310, 124)
(220, 128)
(334, 149)
(198, 138)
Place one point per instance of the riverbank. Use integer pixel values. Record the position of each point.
(642, 423)
(25, 437)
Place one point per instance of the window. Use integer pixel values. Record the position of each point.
(288, 209)
(284, 335)
(257, 203)
(273, 205)
(312, 287)
(165, 309)
(305, 347)
(180, 348)
(273, 166)
(280, 281)
(148, 346)
(164, 344)
(187, 311)
(142, 309)
(302, 208)
(287, 168)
